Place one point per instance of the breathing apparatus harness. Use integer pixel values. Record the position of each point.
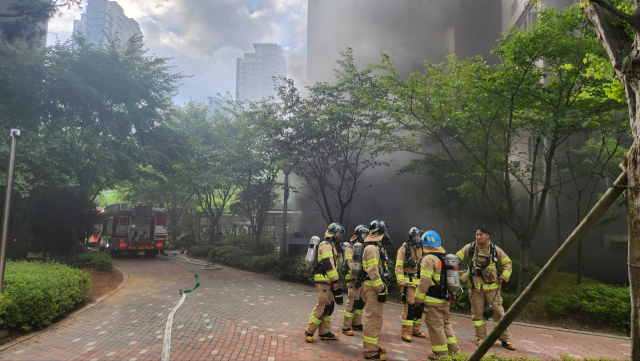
(317, 268)
(481, 262)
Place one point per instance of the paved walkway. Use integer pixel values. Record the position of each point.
(237, 315)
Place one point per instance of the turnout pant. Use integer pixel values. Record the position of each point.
(410, 326)
(351, 315)
(443, 340)
(478, 298)
(372, 319)
(321, 315)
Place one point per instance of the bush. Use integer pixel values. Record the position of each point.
(607, 304)
(230, 256)
(36, 293)
(269, 263)
(98, 261)
(265, 247)
(200, 250)
(294, 269)
(512, 285)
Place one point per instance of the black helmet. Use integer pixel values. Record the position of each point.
(415, 231)
(335, 228)
(361, 229)
(378, 227)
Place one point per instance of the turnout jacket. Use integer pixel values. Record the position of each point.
(371, 262)
(327, 259)
(348, 257)
(430, 270)
(407, 276)
(503, 260)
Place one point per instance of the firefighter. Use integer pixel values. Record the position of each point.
(484, 284)
(374, 290)
(407, 276)
(352, 320)
(431, 296)
(326, 282)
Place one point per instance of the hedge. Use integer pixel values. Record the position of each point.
(200, 250)
(36, 293)
(604, 303)
(266, 246)
(98, 261)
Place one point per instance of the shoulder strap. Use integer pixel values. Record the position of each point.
(472, 251)
(493, 253)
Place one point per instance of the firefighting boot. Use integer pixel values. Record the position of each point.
(508, 345)
(348, 332)
(420, 334)
(357, 327)
(382, 350)
(329, 336)
(479, 342)
(376, 357)
(308, 336)
(406, 338)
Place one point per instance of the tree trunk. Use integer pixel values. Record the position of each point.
(633, 214)
(525, 263)
(623, 54)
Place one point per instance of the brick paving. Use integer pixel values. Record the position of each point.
(237, 315)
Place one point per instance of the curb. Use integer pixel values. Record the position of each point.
(542, 327)
(125, 278)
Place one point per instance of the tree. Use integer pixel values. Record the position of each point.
(501, 126)
(330, 136)
(84, 110)
(28, 16)
(617, 25)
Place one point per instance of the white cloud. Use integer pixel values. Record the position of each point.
(206, 36)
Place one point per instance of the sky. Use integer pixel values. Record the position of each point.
(205, 37)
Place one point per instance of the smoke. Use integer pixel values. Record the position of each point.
(410, 31)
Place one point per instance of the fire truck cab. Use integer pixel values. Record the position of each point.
(127, 229)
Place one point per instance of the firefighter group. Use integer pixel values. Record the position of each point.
(428, 277)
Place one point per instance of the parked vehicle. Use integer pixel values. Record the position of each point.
(133, 229)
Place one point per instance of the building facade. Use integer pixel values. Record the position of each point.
(104, 17)
(255, 72)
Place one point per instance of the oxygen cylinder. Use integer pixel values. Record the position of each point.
(453, 281)
(356, 265)
(311, 252)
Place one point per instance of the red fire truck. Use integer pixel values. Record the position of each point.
(127, 229)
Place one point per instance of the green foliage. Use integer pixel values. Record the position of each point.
(294, 269)
(37, 293)
(607, 304)
(27, 26)
(515, 275)
(266, 246)
(98, 261)
(497, 357)
(268, 263)
(463, 303)
(230, 256)
(200, 250)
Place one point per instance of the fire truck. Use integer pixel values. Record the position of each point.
(133, 229)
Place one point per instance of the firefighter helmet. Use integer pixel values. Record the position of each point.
(361, 229)
(415, 231)
(431, 239)
(335, 228)
(378, 227)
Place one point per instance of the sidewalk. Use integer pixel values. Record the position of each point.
(237, 315)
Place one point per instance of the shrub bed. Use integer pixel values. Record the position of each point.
(98, 261)
(604, 303)
(200, 250)
(294, 269)
(36, 293)
(266, 246)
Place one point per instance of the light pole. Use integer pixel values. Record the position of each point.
(286, 169)
(15, 134)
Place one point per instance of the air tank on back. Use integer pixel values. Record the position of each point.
(356, 267)
(310, 259)
(453, 281)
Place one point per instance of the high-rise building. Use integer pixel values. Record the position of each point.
(104, 17)
(255, 72)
